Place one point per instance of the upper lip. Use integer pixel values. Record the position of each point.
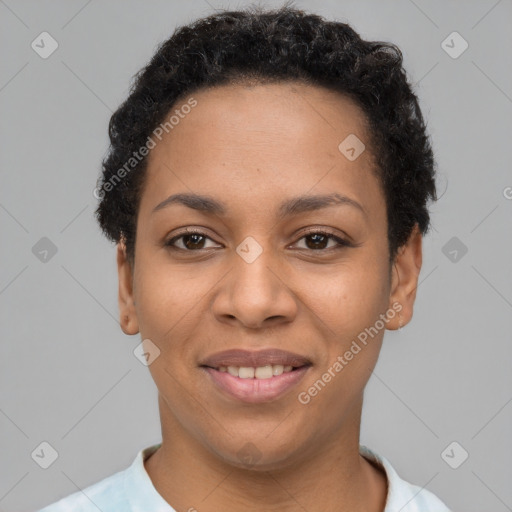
(248, 358)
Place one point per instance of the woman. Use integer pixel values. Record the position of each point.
(267, 187)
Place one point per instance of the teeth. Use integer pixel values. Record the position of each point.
(277, 369)
(261, 372)
(246, 372)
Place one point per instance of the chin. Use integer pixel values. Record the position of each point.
(259, 453)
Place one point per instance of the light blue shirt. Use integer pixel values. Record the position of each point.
(131, 490)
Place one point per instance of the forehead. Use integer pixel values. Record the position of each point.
(270, 113)
(247, 140)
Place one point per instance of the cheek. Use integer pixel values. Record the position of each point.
(349, 297)
(164, 297)
(350, 305)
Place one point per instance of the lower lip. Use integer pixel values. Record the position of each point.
(256, 390)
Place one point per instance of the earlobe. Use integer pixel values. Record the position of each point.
(406, 270)
(128, 315)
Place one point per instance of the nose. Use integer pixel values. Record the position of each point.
(255, 295)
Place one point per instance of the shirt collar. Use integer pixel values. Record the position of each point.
(141, 493)
(401, 495)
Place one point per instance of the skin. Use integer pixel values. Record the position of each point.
(251, 147)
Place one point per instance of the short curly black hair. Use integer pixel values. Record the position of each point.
(279, 45)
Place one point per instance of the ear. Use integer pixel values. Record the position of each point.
(404, 282)
(128, 315)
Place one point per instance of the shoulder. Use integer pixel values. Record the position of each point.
(126, 490)
(402, 495)
(106, 495)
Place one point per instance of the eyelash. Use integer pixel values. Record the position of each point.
(340, 241)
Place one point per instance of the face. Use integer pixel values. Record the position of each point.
(282, 261)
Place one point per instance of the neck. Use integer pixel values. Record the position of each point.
(192, 478)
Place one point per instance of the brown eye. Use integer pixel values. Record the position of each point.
(319, 240)
(193, 241)
(189, 241)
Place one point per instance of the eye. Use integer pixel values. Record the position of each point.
(189, 241)
(315, 240)
(319, 240)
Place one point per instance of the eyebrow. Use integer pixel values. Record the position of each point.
(293, 206)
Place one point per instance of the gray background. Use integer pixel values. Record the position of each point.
(68, 374)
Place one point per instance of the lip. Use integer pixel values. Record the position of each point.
(256, 390)
(241, 357)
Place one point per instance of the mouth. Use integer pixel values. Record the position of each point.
(260, 372)
(255, 377)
